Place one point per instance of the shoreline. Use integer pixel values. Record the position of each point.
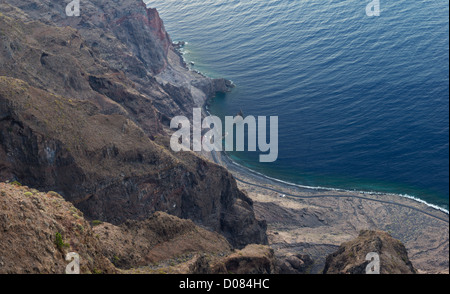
(317, 221)
(319, 188)
(234, 167)
(205, 108)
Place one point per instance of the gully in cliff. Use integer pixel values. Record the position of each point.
(212, 140)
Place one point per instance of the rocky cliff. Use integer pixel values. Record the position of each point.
(38, 229)
(84, 108)
(85, 104)
(132, 39)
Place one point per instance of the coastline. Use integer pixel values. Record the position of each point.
(106, 151)
(238, 169)
(179, 45)
(317, 220)
(231, 162)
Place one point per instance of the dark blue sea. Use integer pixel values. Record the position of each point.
(363, 102)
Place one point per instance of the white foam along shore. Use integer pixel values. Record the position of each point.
(250, 171)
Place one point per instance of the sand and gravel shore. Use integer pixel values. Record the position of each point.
(316, 222)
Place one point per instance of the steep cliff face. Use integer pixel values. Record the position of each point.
(132, 39)
(127, 24)
(351, 256)
(79, 119)
(110, 169)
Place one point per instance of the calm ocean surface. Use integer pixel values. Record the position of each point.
(362, 102)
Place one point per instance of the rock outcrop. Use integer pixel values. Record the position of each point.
(132, 39)
(161, 237)
(253, 259)
(29, 224)
(351, 256)
(295, 264)
(109, 168)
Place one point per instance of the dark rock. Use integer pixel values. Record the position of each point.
(253, 259)
(295, 264)
(200, 266)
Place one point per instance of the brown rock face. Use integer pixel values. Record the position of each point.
(128, 23)
(106, 165)
(29, 223)
(295, 264)
(132, 39)
(159, 238)
(351, 256)
(253, 259)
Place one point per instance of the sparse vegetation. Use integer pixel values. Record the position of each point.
(16, 183)
(115, 260)
(60, 242)
(96, 222)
